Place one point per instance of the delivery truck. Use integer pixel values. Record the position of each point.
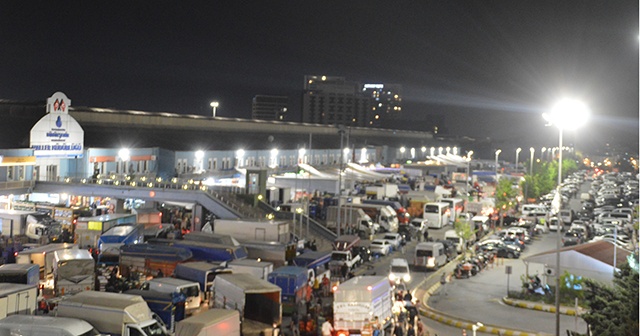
(18, 299)
(383, 191)
(16, 325)
(252, 230)
(383, 215)
(202, 272)
(110, 241)
(350, 218)
(258, 300)
(148, 259)
(43, 257)
(112, 313)
(169, 307)
(293, 281)
(73, 271)
(259, 269)
(213, 322)
(358, 300)
(27, 274)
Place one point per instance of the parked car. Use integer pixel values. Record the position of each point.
(395, 239)
(501, 249)
(572, 237)
(380, 246)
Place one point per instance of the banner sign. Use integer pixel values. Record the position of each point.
(57, 134)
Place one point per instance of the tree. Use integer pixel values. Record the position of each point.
(464, 231)
(505, 196)
(613, 310)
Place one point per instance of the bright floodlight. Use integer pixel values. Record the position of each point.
(124, 154)
(214, 104)
(240, 153)
(423, 149)
(532, 150)
(199, 155)
(402, 149)
(518, 150)
(498, 152)
(301, 151)
(568, 114)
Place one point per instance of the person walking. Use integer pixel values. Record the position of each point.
(327, 328)
(326, 286)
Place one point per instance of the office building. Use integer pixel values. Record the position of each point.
(266, 107)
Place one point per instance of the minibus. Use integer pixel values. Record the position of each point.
(437, 214)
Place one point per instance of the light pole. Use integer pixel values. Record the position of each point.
(517, 156)
(469, 180)
(542, 156)
(566, 114)
(214, 105)
(530, 179)
(497, 154)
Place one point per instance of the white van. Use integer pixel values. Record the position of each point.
(429, 255)
(399, 271)
(453, 237)
(438, 214)
(190, 289)
(28, 325)
(529, 210)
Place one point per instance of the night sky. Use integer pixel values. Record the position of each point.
(490, 67)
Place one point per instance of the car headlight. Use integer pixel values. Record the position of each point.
(406, 278)
(392, 277)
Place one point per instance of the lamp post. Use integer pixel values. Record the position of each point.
(526, 186)
(469, 180)
(497, 154)
(214, 105)
(542, 156)
(566, 114)
(517, 156)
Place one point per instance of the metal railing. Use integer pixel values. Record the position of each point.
(220, 194)
(16, 185)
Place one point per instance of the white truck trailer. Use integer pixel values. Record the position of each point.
(112, 313)
(73, 271)
(350, 217)
(258, 300)
(18, 299)
(213, 322)
(360, 299)
(259, 269)
(247, 230)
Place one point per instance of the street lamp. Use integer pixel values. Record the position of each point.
(544, 149)
(124, 155)
(497, 154)
(526, 187)
(567, 114)
(199, 156)
(517, 155)
(468, 170)
(214, 105)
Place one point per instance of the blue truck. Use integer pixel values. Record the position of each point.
(204, 251)
(151, 258)
(316, 263)
(169, 307)
(293, 281)
(202, 272)
(110, 241)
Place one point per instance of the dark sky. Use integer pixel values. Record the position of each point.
(491, 67)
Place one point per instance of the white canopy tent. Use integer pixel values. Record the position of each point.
(591, 260)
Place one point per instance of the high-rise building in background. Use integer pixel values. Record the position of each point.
(334, 100)
(269, 107)
(386, 103)
(330, 100)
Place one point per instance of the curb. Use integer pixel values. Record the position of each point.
(457, 322)
(542, 307)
